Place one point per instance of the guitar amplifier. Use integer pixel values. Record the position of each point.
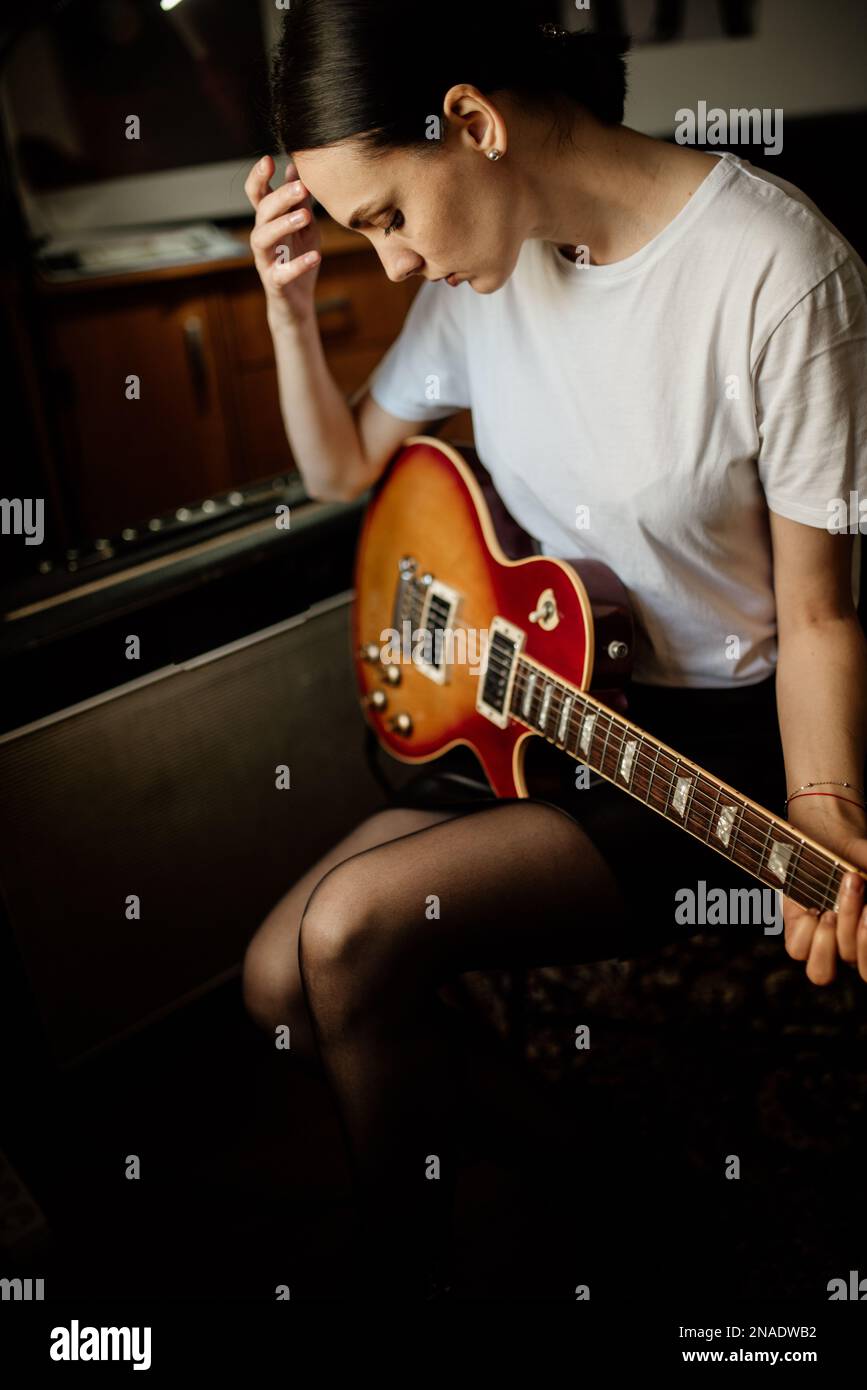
(144, 834)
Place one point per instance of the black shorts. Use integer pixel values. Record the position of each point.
(733, 733)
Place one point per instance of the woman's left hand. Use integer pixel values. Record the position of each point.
(817, 939)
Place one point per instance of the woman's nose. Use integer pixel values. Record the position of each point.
(400, 262)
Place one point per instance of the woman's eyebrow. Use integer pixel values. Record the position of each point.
(365, 213)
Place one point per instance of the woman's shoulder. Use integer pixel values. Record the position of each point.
(789, 232)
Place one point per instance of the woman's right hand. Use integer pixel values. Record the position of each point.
(284, 239)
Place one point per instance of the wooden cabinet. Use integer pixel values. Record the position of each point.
(206, 416)
(131, 449)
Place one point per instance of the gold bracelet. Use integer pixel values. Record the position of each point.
(819, 784)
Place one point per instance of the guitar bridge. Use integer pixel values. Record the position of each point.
(504, 645)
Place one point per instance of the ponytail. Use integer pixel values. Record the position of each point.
(587, 67)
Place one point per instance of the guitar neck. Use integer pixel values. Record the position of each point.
(686, 795)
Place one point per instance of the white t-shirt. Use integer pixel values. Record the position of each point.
(674, 396)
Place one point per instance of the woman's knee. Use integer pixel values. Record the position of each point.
(270, 983)
(347, 943)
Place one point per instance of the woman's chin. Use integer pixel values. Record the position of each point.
(485, 284)
(489, 281)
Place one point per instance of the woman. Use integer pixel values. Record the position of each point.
(663, 345)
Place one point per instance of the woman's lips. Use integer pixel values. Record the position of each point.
(452, 279)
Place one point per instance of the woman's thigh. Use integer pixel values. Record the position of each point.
(512, 884)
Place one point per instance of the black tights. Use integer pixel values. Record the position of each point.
(513, 884)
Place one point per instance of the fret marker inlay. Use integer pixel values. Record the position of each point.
(778, 859)
(725, 823)
(586, 732)
(564, 718)
(678, 801)
(546, 704)
(627, 759)
(528, 695)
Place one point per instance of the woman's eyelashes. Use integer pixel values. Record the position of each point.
(395, 224)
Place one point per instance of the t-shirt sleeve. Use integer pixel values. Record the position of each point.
(811, 402)
(423, 374)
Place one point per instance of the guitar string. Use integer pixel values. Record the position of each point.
(820, 885)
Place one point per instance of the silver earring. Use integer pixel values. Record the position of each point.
(493, 154)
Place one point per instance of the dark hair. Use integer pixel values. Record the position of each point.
(379, 69)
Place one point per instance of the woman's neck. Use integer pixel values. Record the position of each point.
(612, 192)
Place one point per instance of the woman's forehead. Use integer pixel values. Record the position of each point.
(347, 181)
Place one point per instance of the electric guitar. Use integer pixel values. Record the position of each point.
(456, 642)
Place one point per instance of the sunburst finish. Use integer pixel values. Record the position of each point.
(432, 508)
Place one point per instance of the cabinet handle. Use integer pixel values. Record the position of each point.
(337, 304)
(195, 342)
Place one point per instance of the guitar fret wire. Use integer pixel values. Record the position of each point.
(767, 840)
(686, 810)
(797, 857)
(671, 782)
(558, 711)
(604, 746)
(713, 813)
(652, 774)
(816, 885)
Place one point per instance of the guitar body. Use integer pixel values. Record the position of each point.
(458, 642)
(432, 508)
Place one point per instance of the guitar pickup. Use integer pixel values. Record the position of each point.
(433, 646)
(505, 643)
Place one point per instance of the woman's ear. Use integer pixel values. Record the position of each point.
(478, 120)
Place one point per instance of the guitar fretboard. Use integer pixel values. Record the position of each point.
(761, 843)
